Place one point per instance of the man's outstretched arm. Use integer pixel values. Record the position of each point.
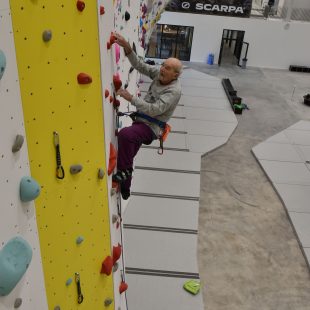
(136, 62)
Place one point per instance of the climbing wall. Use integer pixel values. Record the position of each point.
(150, 14)
(128, 20)
(124, 21)
(17, 218)
(72, 213)
(56, 81)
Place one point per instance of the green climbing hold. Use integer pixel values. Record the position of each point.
(192, 286)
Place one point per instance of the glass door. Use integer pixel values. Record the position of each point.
(171, 41)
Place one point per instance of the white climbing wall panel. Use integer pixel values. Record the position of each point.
(17, 218)
(134, 20)
(130, 30)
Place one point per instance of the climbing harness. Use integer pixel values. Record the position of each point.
(60, 173)
(165, 128)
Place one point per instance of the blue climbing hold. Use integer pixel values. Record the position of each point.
(2, 63)
(29, 189)
(79, 240)
(15, 258)
(69, 281)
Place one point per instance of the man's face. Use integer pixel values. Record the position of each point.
(167, 72)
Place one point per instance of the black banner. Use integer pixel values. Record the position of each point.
(237, 8)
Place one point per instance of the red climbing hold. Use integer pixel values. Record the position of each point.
(123, 287)
(115, 185)
(116, 103)
(84, 78)
(112, 39)
(80, 5)
(107, 265)
(117, 252)
(106, 93)
(112, 159)
(108, 45)
(117, 82)
(102, 11)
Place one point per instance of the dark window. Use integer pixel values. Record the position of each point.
(171, 41)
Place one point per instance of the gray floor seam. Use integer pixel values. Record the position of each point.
(165, 196)
(161, 229)
(179, 132)
(178, 117)
(283, 161)
(167, 170)
(163, 273)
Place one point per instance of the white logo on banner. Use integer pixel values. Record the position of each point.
(185, 5)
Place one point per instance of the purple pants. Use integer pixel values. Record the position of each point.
(130, 140)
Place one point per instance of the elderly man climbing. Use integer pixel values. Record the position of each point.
(154, 111)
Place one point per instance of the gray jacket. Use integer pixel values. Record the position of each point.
(160, 100)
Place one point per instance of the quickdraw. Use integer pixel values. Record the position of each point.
(60, 173)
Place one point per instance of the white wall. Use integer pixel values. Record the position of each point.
(305, 4)
(271, 45)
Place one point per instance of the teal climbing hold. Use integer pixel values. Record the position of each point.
(2, 63)
(29, 189)
(192, 286)
(15, 258)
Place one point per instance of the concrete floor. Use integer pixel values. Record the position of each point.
(249, 256)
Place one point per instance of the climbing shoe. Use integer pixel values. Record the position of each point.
(122, 175)
(125, 192)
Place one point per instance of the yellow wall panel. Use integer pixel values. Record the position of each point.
(54, 101)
